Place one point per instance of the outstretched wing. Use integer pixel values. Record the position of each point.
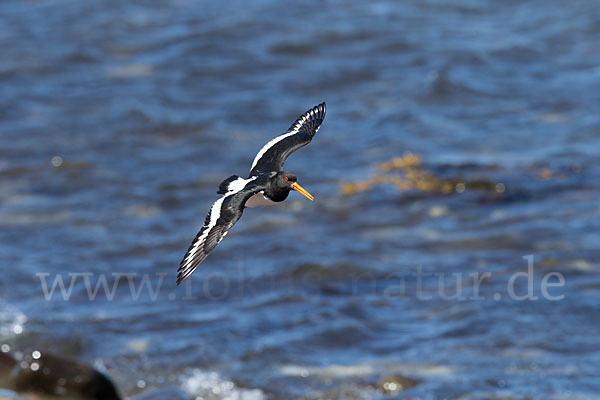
(273, 154)
(223, 214)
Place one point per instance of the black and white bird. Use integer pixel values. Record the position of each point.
(266, 184)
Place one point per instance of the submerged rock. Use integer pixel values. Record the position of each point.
(396, 383)
(406, 173)
(7, 364)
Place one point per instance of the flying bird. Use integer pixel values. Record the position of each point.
(267, 184)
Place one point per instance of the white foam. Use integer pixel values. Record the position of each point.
(11, 320)
(202, 385)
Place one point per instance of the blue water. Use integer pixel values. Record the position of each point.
(119, 119)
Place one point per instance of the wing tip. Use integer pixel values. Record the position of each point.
(322, 107)
(184, 272)
(189, 263)
(311, 120)
(317, 112)
(181, 277)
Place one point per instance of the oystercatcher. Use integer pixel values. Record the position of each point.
(266, 184)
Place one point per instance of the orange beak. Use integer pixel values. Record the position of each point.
(300, 189)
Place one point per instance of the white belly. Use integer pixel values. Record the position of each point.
(259, 200)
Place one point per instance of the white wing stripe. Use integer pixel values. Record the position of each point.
(215, 212)
(272, 143)
(295, 129)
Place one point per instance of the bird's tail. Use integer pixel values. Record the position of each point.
(224, 186)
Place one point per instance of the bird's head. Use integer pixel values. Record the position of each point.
(287, 180)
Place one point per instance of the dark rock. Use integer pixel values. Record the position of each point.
(51, 375)
(7, 364)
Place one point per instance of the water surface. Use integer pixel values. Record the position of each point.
(119, 120)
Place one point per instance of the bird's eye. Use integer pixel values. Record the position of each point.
(285, 178)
